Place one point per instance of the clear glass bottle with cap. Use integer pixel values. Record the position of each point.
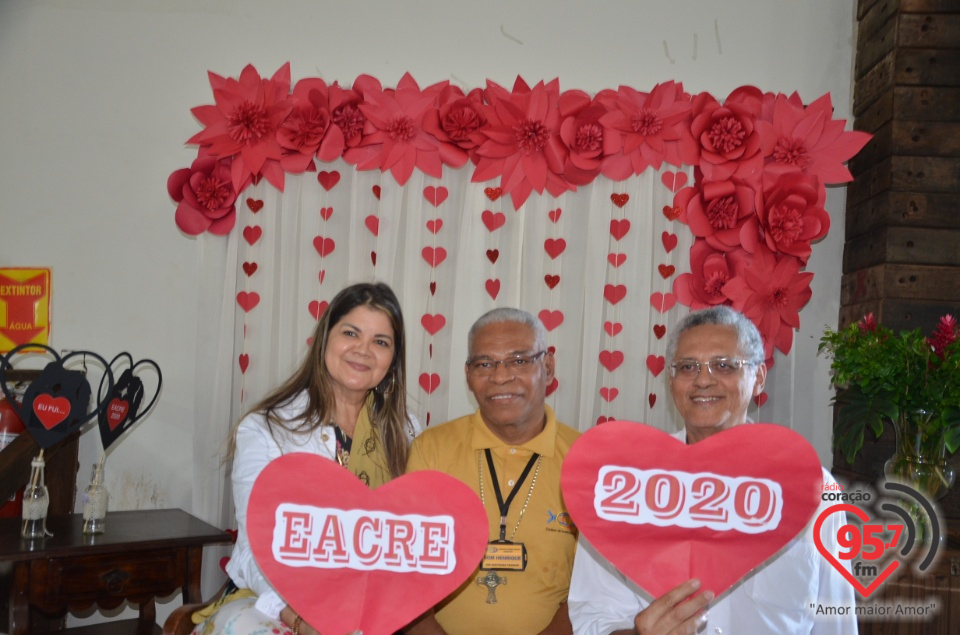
(36, 502)
(95, 502)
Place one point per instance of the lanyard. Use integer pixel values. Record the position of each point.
(505, 505)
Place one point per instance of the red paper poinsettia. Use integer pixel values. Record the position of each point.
(243, 124)
(205, 196)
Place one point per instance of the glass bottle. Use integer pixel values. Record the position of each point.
(95, 502)
(36, 501)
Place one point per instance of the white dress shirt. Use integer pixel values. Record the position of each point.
(778, 598)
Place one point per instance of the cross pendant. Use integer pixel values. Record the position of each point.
(491, 581)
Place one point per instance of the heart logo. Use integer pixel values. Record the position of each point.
(434, 256)
(620, 199)
(492, 255)
(864, 591)
(328, 179)
(117, 412)
(612, 328)
(619, 228)
(388, 554)
(493, 288)
(248, 301)
(551, 281)
(435, 195)
(326, 213)
(373, 224)
(616, 259)
(324, 246)
(493, 193)
(492, 221)
(611, 360)
(551, 319)
(674, 180)
(429, 382)
(254, 205)
(51, 411)
(433, 323)
(554, 247)
(614, 292)
(669, 241)
(656, 364)
(252, 234)
(662, 511)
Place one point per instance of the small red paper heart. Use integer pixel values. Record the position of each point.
(662, 302)
(554, 247)
(552, 387)
(656, 364)
(373, 258)
(609, 394)
(376, 191)
(493, 221)
(614, 292)
(669, 241)
(249, 268)
(619, 199)
(223, 563)
(760, 399)
(317, 308)
(326, 213)
(672, 213)
(430, 349)
(555, 214)
(328, 179)
(248, 300)
(323, 274)
(666, 270)
(244, 361)
(659, 330)
(492, 255)
(433, 226)
(252, 234)
(392, 550)
(612, 328)
(433, 288)
(429, 382)
(674, 180)
(433, 323)
(435, 195)
(611, 360)
(652, 399)
(552, 350)
(493, 288)
(373, 224)
(434, 256)
(602, 419)
(718, 549)
(619, 228)
(254, 205)
(324, 246)
(50, 410)
(493, 193)
(117, 412)
(552, 281)
(616, 259)
(551, 319)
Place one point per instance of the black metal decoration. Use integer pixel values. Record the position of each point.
(122, 404)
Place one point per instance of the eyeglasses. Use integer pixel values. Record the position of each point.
(718, 367)
(518, 364)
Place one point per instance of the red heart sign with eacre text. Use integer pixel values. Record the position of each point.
(662, 511)
(349, 558)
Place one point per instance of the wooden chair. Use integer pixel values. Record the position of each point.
(180, 623)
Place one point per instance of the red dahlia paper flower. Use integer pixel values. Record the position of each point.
(730, 142)
(710, 271)
(309, 130)
(583, 134)
(205, 196)
(455, 122)
(521, 143)
(771, 292)
(243, 124)
(790, 215)
(650, 129)
(717, 211)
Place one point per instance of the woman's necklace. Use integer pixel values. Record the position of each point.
(344, 443)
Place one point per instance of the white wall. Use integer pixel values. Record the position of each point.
(94, 112)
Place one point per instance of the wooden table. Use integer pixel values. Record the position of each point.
(141, 556)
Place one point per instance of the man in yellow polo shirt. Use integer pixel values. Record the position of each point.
(510, 452)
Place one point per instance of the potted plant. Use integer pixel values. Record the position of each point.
(907, 379)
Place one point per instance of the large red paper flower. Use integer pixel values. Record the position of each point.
(205, 196)
(807, 139)
(717, 210)
(345, 108)
(583, 134)
(455, 122)
(394, 130)
(710, 271)
(309, 129)
(522, 142)
(790, 216)
(730, 143)
(771, 292)
(244, 123)
(649, 130)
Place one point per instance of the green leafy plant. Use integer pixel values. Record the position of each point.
(907, 379)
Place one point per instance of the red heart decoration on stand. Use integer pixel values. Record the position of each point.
(745, 460)
(50, 410)
(117, 412)
(349, 558)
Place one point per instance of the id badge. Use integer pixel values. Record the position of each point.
(503, 555)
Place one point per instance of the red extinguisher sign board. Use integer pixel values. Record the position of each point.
(24, 307)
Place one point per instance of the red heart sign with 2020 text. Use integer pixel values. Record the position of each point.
(662, 511)
(349, 558)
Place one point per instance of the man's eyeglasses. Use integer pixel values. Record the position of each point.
(718, 367)
(516, 365)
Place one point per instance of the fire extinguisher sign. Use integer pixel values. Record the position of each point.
(24, 307)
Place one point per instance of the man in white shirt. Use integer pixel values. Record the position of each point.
(717, 367)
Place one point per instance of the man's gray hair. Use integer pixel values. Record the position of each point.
(749, 340)
(507, 314)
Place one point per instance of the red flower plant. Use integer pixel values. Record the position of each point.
(944, 335)
(309, 129)
(649, 129)
(521, 143)
(710, 271)
(717, 211)
(454, 124)
(730, 142)
(868, 323)
(205, 196)
(807, 139)
(244, 122)
(790, 216)
(771, 292)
